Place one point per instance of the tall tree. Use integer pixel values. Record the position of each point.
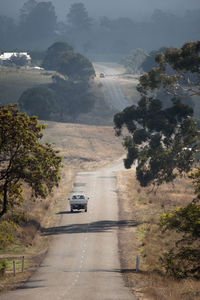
(78, 17)
(26, 10)
(7, 32)
(38, 21)
(134, 60)
(150, 62)
(163, 141)
(75, 66)
(23, 159)
(53, 55)
(177, 72)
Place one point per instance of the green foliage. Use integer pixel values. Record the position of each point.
(75, 66)
(7, 229)
(3, 267)
(61, 57)
(78, 17)
(19, 60)
(37, 56)
(182, 263)
(19, 217)
(72, 97)
(39, 101)
(195, 176)
(177, 72)
(150, 61)
(134, 60)
(53, 54)
(37, 20)
(184, 219)
(24, 159)
(184, 259)
(163, 141)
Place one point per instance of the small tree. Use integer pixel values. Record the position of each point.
(39, 101)
(134, 60)
(75, 66)
(23, 159)
(184, 259)
(72, 97)
(19, 60)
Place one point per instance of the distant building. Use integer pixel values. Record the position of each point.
(6, 57)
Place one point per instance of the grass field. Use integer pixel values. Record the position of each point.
(13, 81)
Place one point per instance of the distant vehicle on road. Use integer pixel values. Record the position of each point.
(78, 201)
(101, 75)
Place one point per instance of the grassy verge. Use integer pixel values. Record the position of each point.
(145, 239)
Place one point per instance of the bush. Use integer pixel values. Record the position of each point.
(3, 266)
(39, 101)
(19, 217)
(7, 228)
(184, 259)
(182, 263)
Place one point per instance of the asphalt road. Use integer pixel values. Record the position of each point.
(82, 262)
(115, 94)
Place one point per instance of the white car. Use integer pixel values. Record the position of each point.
(78, 201)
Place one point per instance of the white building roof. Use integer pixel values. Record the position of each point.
(8, 55)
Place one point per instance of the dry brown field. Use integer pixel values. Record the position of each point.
(146, 240)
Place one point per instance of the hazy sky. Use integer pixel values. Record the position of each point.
(110, 8)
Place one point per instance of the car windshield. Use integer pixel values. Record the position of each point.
(78, 197)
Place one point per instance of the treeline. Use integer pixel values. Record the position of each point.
(38, 27)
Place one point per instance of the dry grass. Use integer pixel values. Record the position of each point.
(146, 240)
(14, 81)
(84, 146)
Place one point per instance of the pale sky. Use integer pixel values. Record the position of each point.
(112, 8)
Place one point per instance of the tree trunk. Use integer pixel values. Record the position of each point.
(5, 200)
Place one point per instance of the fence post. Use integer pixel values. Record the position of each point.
(14, 269)
(137, 263)
(22, 263)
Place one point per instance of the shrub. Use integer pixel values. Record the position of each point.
(7, 228)
(184, 259)
(3, 266)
